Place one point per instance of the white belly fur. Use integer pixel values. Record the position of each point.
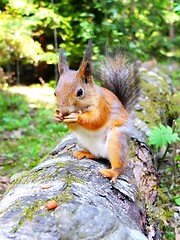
(94, 142)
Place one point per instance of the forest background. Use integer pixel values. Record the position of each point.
(33, 31)
(31, 34)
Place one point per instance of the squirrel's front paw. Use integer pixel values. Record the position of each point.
(58, 117)
(71, 118)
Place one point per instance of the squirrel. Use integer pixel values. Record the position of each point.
(99, 116)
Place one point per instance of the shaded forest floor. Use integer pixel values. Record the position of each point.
(28, 133)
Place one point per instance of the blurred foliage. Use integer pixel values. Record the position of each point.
(27, 130)
(140, 27)
(23, 23)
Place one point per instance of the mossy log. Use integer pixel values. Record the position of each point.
(89, 206)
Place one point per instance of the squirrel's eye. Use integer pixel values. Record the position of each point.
(54, 94)
(79, 92)
(85, 80)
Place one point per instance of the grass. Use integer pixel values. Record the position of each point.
(28, 131)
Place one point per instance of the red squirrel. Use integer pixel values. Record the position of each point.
(99, 116)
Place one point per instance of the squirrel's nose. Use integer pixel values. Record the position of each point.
(65, 112)
(63, 109)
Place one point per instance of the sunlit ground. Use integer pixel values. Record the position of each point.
(36, 94)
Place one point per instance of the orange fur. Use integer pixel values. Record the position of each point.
(96, 117)
(115, 149)
(99, 115)
(115, 156)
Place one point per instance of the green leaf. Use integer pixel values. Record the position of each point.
(162, 136)
(175, 137)
(177, 201)
(169, 130)
(177, 8)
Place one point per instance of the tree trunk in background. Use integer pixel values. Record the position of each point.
(171, 25)
(55, 46)
(17, 72)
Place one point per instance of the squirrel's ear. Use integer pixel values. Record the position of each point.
(85, 68)
(62, 65)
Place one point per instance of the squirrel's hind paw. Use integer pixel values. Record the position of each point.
(112, 173)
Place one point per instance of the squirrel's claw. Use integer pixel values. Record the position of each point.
(73, 117)
(58, 118)
(112, 173)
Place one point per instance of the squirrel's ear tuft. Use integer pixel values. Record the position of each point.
(88, 52)
(85, 69)
(62, 65)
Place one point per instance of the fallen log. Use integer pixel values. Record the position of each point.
(88, 205)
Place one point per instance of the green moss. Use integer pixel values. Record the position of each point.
(32, 208)
(155, 101)
(17, 181)
(46, 157)
(20, 178)
(41, 175)
(63, 164)
(81, 169)
(66, 195)
(132, 149)
(36, 176)
(28, 213)
(160, 213)
(32, 176)
(173, 107)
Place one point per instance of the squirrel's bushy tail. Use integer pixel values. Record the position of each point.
(119, 75)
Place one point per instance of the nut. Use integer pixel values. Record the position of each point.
(52, 204)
